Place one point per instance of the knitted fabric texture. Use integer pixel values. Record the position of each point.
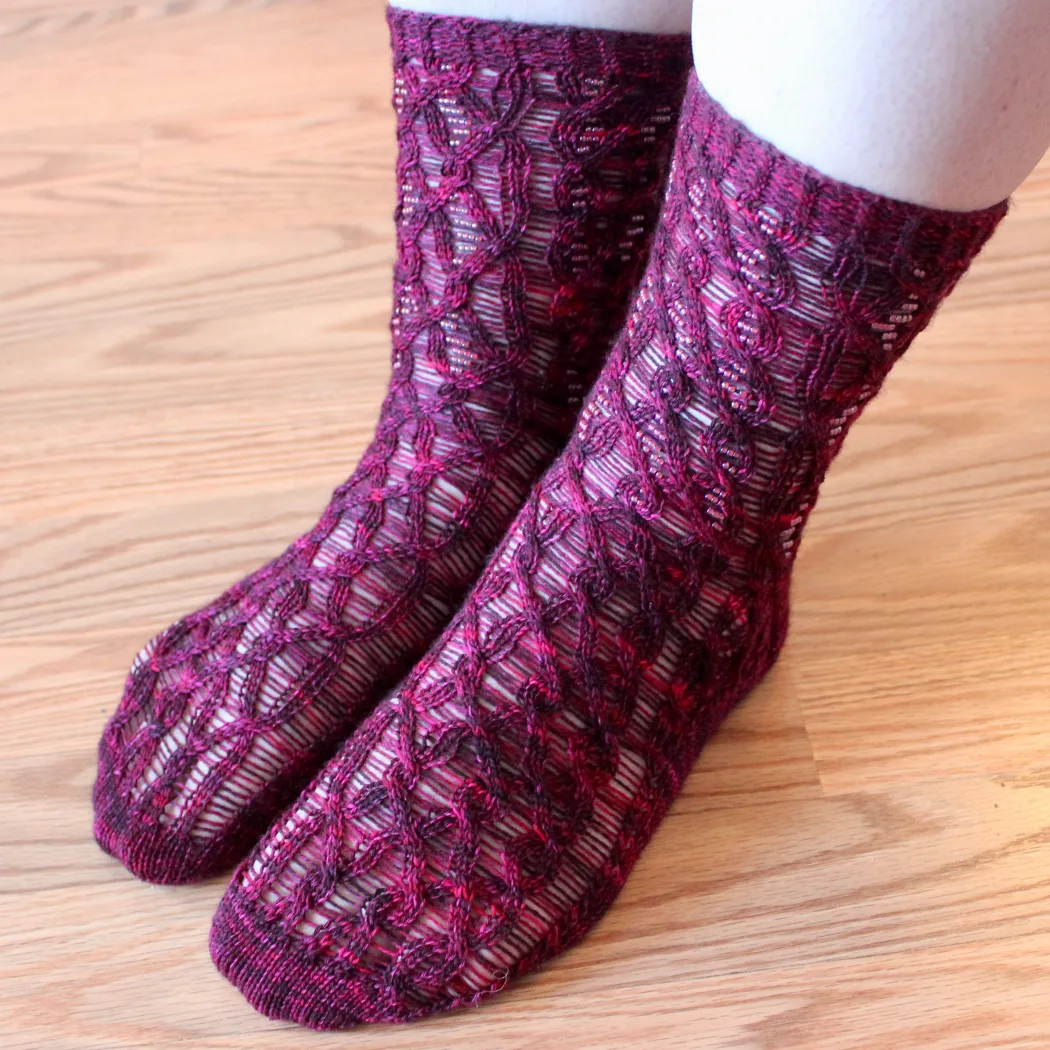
(530, 167)
(487, 813)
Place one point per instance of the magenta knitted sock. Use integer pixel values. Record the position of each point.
(530, 167)
(487, 813)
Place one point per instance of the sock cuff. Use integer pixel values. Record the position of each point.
(925, 249)
(453, 40)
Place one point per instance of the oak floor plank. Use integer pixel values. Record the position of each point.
(195, 250)
(772, 888)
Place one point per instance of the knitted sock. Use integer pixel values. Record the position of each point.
(530, 167)
(485, 815)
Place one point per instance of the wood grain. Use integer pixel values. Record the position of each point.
(195, 251)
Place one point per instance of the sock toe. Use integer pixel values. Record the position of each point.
(282, 980)
(276, 980)
(150, 849)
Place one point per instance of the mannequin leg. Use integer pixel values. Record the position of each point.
(938, 102)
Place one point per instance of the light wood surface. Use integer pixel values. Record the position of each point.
(195, 250)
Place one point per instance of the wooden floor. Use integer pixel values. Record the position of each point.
(195, 250)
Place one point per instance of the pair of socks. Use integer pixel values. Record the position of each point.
(650, 489)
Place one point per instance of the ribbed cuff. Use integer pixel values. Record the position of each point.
(926, 249)
(435, 39)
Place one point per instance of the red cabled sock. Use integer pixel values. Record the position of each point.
(530, 167)
(487, 813)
